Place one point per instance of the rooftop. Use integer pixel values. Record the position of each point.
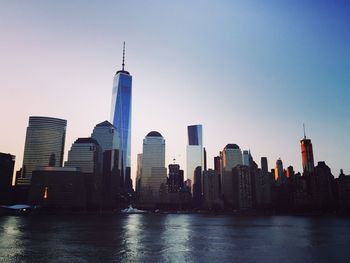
(154, 134)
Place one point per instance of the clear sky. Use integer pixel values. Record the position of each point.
(250, 71)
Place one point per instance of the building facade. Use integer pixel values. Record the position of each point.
(7, 164)
(121, 119)
(86, 155)
(58, 187)
(107, 137)
(44, 145)
(280, 176)
(307, 156)
(175, 179)
(194, 151)
(153, 176)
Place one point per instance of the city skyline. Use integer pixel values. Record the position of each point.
(237, 99)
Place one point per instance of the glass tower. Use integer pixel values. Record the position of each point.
(194, 151)
(44, 145)
(121, 119)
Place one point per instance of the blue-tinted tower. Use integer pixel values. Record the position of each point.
(121, 119)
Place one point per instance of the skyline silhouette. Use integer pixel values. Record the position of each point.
(252, 74)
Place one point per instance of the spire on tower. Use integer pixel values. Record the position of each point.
(123, 64)
(304, 130)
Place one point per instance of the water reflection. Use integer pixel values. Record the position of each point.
(173, 238)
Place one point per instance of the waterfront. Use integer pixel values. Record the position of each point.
(174, 238)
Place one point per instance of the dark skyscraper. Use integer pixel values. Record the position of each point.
(7, 163)
(264, 165)
(307, 155)
(176, 178)
(121, 119)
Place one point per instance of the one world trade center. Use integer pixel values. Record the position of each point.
(121, 119)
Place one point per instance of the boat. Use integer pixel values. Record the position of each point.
(131, 210)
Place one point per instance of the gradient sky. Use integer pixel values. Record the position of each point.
(250, 71)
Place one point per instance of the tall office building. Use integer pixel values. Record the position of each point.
(280, 176)
(194, 151)
(242, 187)
(211, 196)
(231, 156)
(307, 155)
(121, 119)
(246, 157)
(44, 145)
(7, 163)
(153, 176)
(176, 178)
(107, 137)
(86, 155)
(265, 183)
(264, 166)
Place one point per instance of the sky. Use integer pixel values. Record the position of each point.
(251, 72)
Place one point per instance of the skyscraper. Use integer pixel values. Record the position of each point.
(280, 176)
(307, 155)
(176, 178)
(153, 175)
(246, 157)
(194, 150)
(242, 187)
(7, 163)
(231, 156)
(107, 137)
(121, 118)
(44, 145)
(86, 154)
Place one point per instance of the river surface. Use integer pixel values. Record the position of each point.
(174, 238)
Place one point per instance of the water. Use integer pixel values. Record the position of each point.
(174, 238)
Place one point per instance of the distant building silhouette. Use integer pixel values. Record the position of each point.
(7, 163)
(242, 187)
(175, 179)
(211, 197)
(343, 189)
(280, 176)
(307, 155)
(217, 168)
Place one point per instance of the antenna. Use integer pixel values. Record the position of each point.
(123, 64)
(304, 130)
